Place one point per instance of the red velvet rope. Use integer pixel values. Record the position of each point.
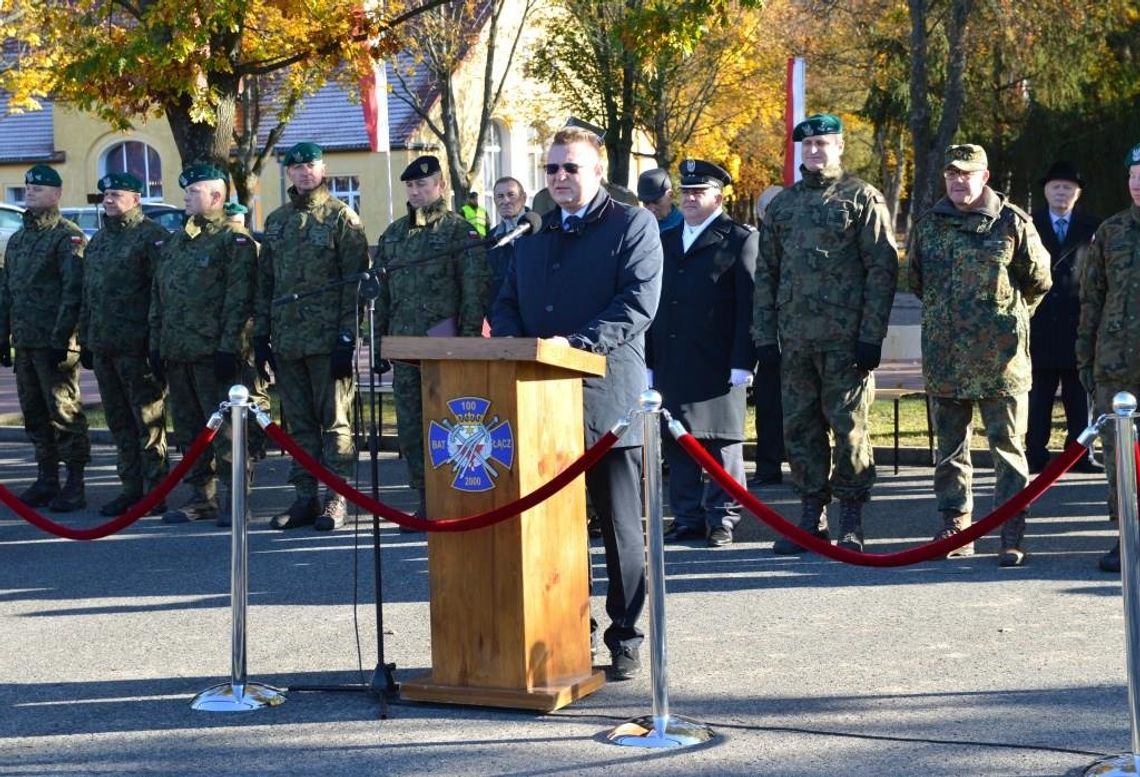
(138, 510)
(937, 549)
(465, 523)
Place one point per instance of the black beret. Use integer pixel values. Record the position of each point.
(421, 167)
(699, 174)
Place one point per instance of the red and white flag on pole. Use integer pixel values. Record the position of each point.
(374, 101)
(793, 115)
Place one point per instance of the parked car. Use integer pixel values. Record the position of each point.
(90, 218)
(11, 219)
(167, 215)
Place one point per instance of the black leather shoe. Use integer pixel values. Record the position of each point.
(679, 533)
(759, 481)
(1036, 465)
(1110, 562)
(624, 664)
(719, 537)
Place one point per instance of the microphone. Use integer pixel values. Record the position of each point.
(529, 223)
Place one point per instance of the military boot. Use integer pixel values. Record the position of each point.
(421, 511)
(159, 508)
(851, 525)
(45, 487)
(812, 520)
(333, 513)
(1012, 532)
(1110, 562)
(72, 496)
(202, 505)
(119, 504)
(954, 522)
(302, 512)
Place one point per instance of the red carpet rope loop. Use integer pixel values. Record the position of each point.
(938, 549)
(465, 523)
(138, 510)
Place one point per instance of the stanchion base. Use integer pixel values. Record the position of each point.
(222, 698)
(1126, 763)
(679, 732)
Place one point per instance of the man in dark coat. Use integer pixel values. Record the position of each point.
(591, 278)
(700, 352)
(1066, 233)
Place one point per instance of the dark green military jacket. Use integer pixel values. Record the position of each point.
(202, 295)
(311, 241)
(432, 278)
(41, 285)
(828, 265)
(1109, 331)
(117, 277)
(979, 274)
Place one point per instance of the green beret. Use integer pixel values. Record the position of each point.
(124, 182)
(303, 152)
(201, 171)
(1133, 157)
(43, 176)
(421, 167)
(235, 209)
(818, 124)
(966, 157)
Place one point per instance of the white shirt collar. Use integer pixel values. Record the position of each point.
(689, 234)
(579, 213)
(1068, 217)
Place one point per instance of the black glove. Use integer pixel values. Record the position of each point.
(341, 363)
(225, 368)
(86, 358)
(6, 355)
(768, 357)
(263, 357)
(868, 355)
(154, 359)
(57, 355)
(382, 366)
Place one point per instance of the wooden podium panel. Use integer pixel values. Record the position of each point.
(510, 606)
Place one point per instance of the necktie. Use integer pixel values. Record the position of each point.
(573, 225)
(1062, 228)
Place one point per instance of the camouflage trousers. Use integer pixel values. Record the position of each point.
(1103, 404)
(409, 420)
(194, 396)
(1004, 420)
(49, 399)
(827, 398)
(132, 401)
(318, 411)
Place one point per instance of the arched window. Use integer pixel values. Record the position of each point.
(141, 161)
(492, 168)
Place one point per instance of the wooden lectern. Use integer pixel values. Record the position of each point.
(510, 604)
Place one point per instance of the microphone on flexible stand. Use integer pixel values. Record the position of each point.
(529, 223)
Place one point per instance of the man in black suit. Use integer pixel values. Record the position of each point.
(591, 279)
(1066, 233)
(700, 352)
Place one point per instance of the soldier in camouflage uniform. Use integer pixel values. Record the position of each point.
(118, 272)
(41, 287)
(312, 241)
(201, 301)
(1108, 358)
(431, 283)
(980, 269)
(825, 283)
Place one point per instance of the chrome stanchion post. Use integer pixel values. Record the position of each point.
(1124, 413)
(238, 695)
(659, 730)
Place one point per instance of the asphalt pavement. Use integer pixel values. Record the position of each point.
(802, 666)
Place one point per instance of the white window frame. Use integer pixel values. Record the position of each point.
(346, 188)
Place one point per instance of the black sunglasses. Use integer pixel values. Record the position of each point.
(571, 168)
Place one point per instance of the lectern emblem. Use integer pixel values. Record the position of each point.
(470, 443)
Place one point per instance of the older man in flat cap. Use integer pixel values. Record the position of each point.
(201, 302)
(119, 270)
(825, 285)
(699, 350)
(41, 288)
(1108, 360)
(310, 242)
(978, 266)
(655, 191)
(434, 281)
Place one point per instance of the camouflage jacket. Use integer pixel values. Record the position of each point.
(118, 269)
(202, 296)
(41, 285)
(828, 265)
(979, 275)
(1109, 328)
(312, 241)
(431, 274)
